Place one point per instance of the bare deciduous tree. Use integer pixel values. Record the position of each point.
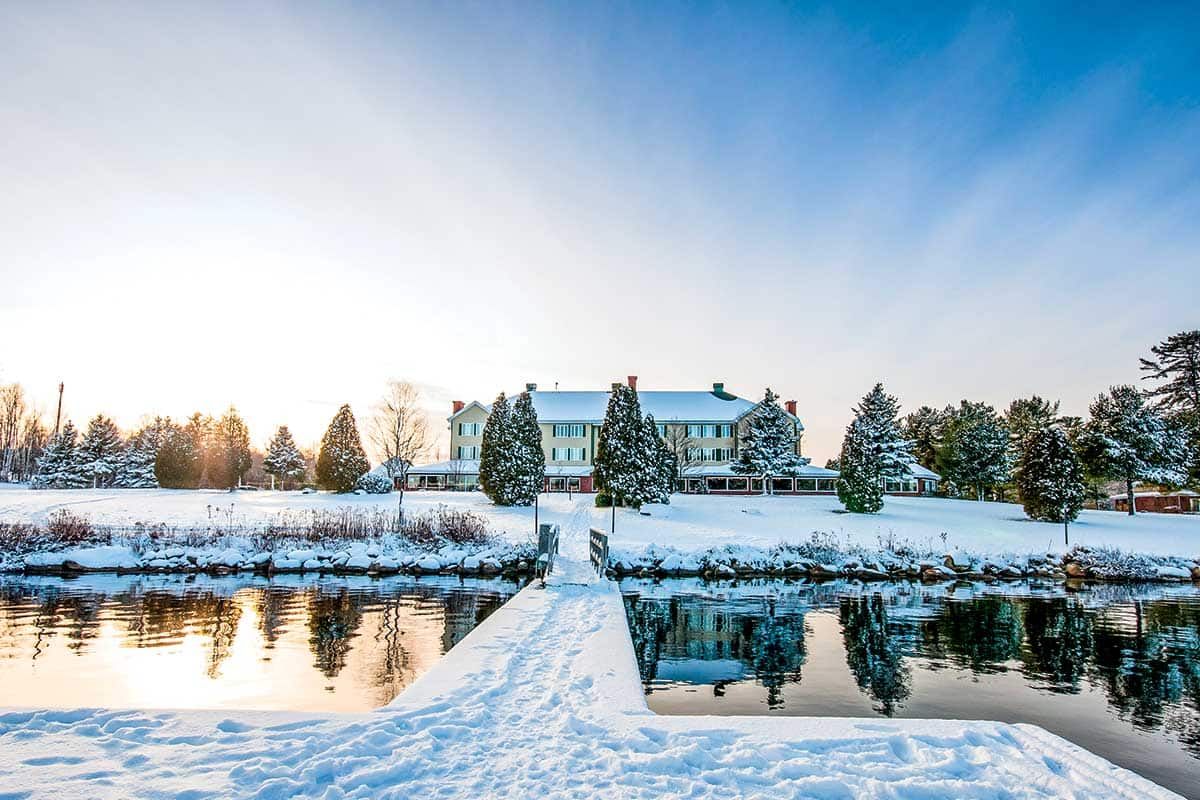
(681, 446)
(22, 434)
(399, 430)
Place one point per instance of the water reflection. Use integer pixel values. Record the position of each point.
(1116, 669)
(148, 641)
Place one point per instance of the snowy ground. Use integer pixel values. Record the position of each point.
(541, 700)
(690, 523)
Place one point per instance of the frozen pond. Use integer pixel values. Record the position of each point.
(1115, 669)
(312, 644)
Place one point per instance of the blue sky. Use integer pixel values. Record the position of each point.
(281, 207)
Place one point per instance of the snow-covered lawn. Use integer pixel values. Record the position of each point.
(690, 523)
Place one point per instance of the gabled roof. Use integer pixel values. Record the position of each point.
(468, 407)
(665, 406)
(917, 471)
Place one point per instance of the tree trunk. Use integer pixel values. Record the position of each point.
(1129, 496)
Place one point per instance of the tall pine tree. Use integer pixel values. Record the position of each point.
(880, 413)
(342, 460)
(622, 465)
(1176, 366)
(136, 468)
(975, 448)
(497, 454)
(283, 460)
(1050, 476)
(58, 467)
(923, 428)
(664, 463)
(229, 456)
(860, 484)
(178, 462)
(101, 451)
(528, 457)
(1129, 441)
(768, 444)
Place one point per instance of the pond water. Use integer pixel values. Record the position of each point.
(1115, 669)
(328, 644)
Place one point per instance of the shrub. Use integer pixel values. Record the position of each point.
(70, 529)
(448, 524)
(375, 483)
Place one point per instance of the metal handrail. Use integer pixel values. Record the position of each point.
(598, 550)
(547, 549)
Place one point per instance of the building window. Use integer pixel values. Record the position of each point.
(709, 454)
(806, 484)
(781, 484)
(738, 485)
(718, 484)
(662, 431)
(468, 451)
(826, 485)
(568, 430)
(709, 431)
(470, 428)
(568, 453)
(756, 485)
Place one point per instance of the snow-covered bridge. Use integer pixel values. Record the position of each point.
(541, 700)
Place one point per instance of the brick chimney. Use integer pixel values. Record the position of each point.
(456, 406)
(718, 388)
(790, 405)
(632, 380)
(531, 387)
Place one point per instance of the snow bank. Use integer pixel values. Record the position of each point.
(985, 538)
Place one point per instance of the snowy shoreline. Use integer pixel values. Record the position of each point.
(181, 531)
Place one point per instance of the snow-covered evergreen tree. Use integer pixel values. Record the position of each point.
(342, 460)
(283, 459)
(58, 467)
(1127, 440)
(768, 444)
(497, 454)
(975, 448)
(665, 466)
(136, 468)
(623, 465)
(528, 457)
(1176, 365)
(1050, 476)
(880, 413)
(100, 452)
(860, 485)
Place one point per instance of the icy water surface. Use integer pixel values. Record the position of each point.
(1115, 669)
(329, 644)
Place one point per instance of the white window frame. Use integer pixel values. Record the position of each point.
(468, 452)
(568, 453)
(569, 430)
(470, 429)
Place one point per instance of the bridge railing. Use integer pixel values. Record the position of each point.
(598, 550)
(547, 549)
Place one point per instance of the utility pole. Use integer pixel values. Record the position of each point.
(58, 414)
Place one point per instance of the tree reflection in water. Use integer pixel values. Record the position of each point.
(873, 656)
(407, 624)
(1143, 655)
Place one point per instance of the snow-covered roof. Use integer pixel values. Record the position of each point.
(664, 406)
(456, 466)
(1176, 493)
(917, 471)
(726, 471)
(468, 466)
(473, 404)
